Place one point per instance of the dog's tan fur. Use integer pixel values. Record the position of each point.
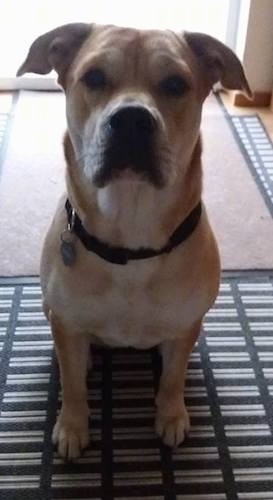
(159, 301)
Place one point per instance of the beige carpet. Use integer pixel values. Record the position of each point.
(238, 213)
(32, 180)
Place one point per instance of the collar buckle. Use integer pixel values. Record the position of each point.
(71, 221)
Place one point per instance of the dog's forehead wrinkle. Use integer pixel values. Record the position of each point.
(110, 60)
(162, 41)
(109, 38)
(113, 43)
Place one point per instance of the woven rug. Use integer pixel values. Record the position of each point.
(228, 454)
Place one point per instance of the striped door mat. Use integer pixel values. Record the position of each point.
(257, 148)
(3, 125)
(229, 452)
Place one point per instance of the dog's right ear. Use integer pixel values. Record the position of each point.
(55, 50)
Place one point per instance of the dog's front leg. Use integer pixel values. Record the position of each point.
(172, 420)
(71, 429)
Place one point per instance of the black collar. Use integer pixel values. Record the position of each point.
(121, 255)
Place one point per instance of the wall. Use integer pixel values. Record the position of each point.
(199, 15)
(256, 48)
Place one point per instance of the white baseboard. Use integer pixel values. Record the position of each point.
(28, 83)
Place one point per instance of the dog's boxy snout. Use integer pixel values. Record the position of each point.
(134, 120)
(130, 146)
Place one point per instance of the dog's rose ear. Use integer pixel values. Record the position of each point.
(55, 50)
(219, 63)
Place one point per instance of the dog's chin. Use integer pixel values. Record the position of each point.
(104, 176)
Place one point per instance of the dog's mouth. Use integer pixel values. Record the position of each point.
(130, 148)
(119, 161)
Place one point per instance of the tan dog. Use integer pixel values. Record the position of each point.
(134, 101)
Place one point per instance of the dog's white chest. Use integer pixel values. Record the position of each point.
(127, 321)
(130, 313)
(133, 321)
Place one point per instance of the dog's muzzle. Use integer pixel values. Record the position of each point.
(130, 145)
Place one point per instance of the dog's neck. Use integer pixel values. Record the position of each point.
(130, 213)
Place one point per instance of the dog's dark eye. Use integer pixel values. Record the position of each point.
(94, 79)
(174, 86)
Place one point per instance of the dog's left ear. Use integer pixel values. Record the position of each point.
(218, 62)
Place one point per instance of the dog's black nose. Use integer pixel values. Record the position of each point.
(134, 120)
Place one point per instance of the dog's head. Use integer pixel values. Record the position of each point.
(133, 98)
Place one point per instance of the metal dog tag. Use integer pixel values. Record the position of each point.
(68, 249)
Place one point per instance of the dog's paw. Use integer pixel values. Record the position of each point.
(172, 430)
(71, 435)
